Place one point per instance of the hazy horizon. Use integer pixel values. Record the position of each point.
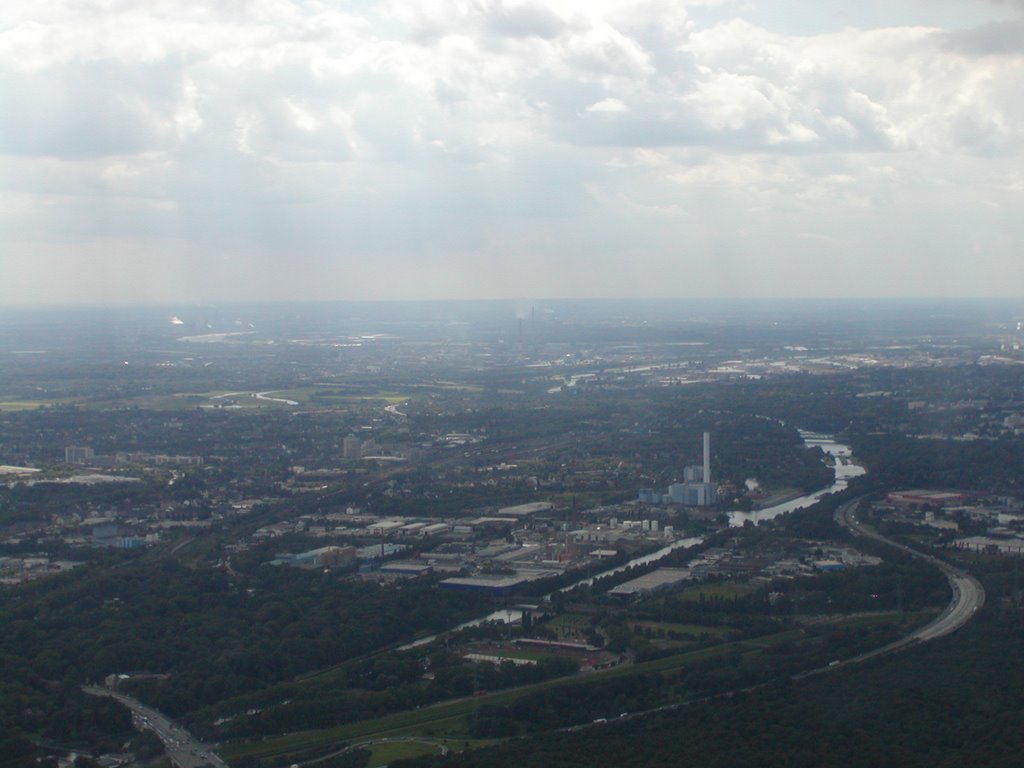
(128, 304)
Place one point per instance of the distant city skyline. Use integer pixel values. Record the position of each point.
(164, 152)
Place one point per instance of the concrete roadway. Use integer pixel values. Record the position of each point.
(968, 597)
(968, 594)
(184, 750)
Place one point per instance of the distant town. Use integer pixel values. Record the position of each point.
(433, 527)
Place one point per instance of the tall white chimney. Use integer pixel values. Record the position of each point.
(707, 457)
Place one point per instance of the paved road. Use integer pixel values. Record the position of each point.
(968, 597)
(968, 594)
(184, 750)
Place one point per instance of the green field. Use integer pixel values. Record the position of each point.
(448, 719)
(29, 405)
(450, 385)
(570, 626)
(778, 496)
(383, 754)
(307, 398)
(683, 629)
(722, 591)
(312, 395)
(875, 619)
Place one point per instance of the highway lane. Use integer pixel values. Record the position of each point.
(184, 750)
(968, 594)
(968, 597)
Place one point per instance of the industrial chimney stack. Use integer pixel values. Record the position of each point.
(707, 457)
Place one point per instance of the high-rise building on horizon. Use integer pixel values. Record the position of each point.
(75, 454)
(351, 447)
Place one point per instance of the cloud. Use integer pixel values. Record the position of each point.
(608, 105)
(525, 20)
(314, 84)
(993, 39)
(405, 133)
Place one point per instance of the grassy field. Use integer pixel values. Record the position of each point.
(570, 626)
(448, 719)
(683, 629)
(306, 398)
(450, 385)
(722, 591)
(29, 405)
(778, 496)
(383, 754)
(312, 396)
(880, 618)
(589, 498)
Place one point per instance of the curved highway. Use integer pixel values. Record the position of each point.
(183, 749)
(968, 594)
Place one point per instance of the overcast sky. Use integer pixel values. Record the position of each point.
(161, 150)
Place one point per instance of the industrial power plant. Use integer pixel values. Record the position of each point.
(696, 490)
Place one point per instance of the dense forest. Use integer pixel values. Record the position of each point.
(905, 462)
(236, 637)
(217, 635)
(956, 702)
